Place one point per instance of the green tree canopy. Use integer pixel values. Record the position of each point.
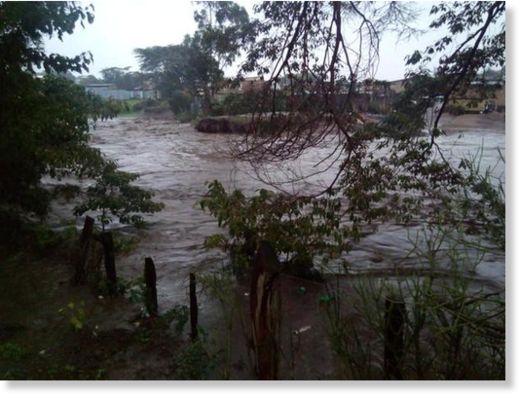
(44, 121)
(183, 67)
(224, 30)
(123, 78)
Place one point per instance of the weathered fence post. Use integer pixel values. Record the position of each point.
(110, 262)
(395, 317)
(150, 279)
(264, 310)
(194, 310)
(80, 273)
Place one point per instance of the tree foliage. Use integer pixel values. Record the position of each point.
(478, 33)
(195, 67)
(123, 78)
(45, 120)
(298, 229)
(114, 196)
(182, 67)
(23, 28)
(223, 31)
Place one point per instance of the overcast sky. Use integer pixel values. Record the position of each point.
(122, 26)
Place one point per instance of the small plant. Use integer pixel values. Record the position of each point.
(179, 315)
(75, 314)
(195, 361)
(114, 196)
(11, 351)
(124, 244)
(134, 290)
(11, 361)
(484, 201)
(220, 285)
(451, 323)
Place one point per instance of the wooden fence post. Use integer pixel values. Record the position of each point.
(264, 310)
(110, 262)
(80, 273)
(150, 279)
(395, 317)
(194, 310)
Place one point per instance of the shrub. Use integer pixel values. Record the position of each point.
(455, 109)
(298, 228)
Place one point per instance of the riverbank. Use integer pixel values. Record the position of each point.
(451, 124)
(494, 122)
(51, 329)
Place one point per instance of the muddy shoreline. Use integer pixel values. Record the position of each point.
(473, 122)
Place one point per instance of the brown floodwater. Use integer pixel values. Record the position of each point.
(175, 162)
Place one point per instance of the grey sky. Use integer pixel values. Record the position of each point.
(122, 26)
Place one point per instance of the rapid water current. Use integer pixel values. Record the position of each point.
(175, 161)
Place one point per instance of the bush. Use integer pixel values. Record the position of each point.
(449, 324)
(455, 109)
(180, 101)
(302, 231)
(185, 117)
(249, 102)
(115, 196)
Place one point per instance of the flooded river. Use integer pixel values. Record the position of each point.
(175, 162)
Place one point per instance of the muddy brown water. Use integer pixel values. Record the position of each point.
(175, 162)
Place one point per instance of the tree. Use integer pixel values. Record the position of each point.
(44, 122)
(122, 78)
(195, 67)
(305, 49)
(223, 31)
(479, 49)
(180, 68)
(88, 79)
(113, 195)
(302, 47)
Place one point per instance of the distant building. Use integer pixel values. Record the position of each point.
(109, 91)
(397, 86)
(252, 84)
(228, 87)
(482, 96)
(145, 93)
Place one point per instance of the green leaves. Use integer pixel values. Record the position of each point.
(75, 314)
(302, 230)
(44, 122)
(113, 195)
(223, 30)
(24, 25)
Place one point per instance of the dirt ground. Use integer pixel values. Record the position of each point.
(490, 121)
(50, 329)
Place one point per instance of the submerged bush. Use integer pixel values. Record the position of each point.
(303, 231)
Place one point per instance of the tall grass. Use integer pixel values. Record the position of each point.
(454, 326)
